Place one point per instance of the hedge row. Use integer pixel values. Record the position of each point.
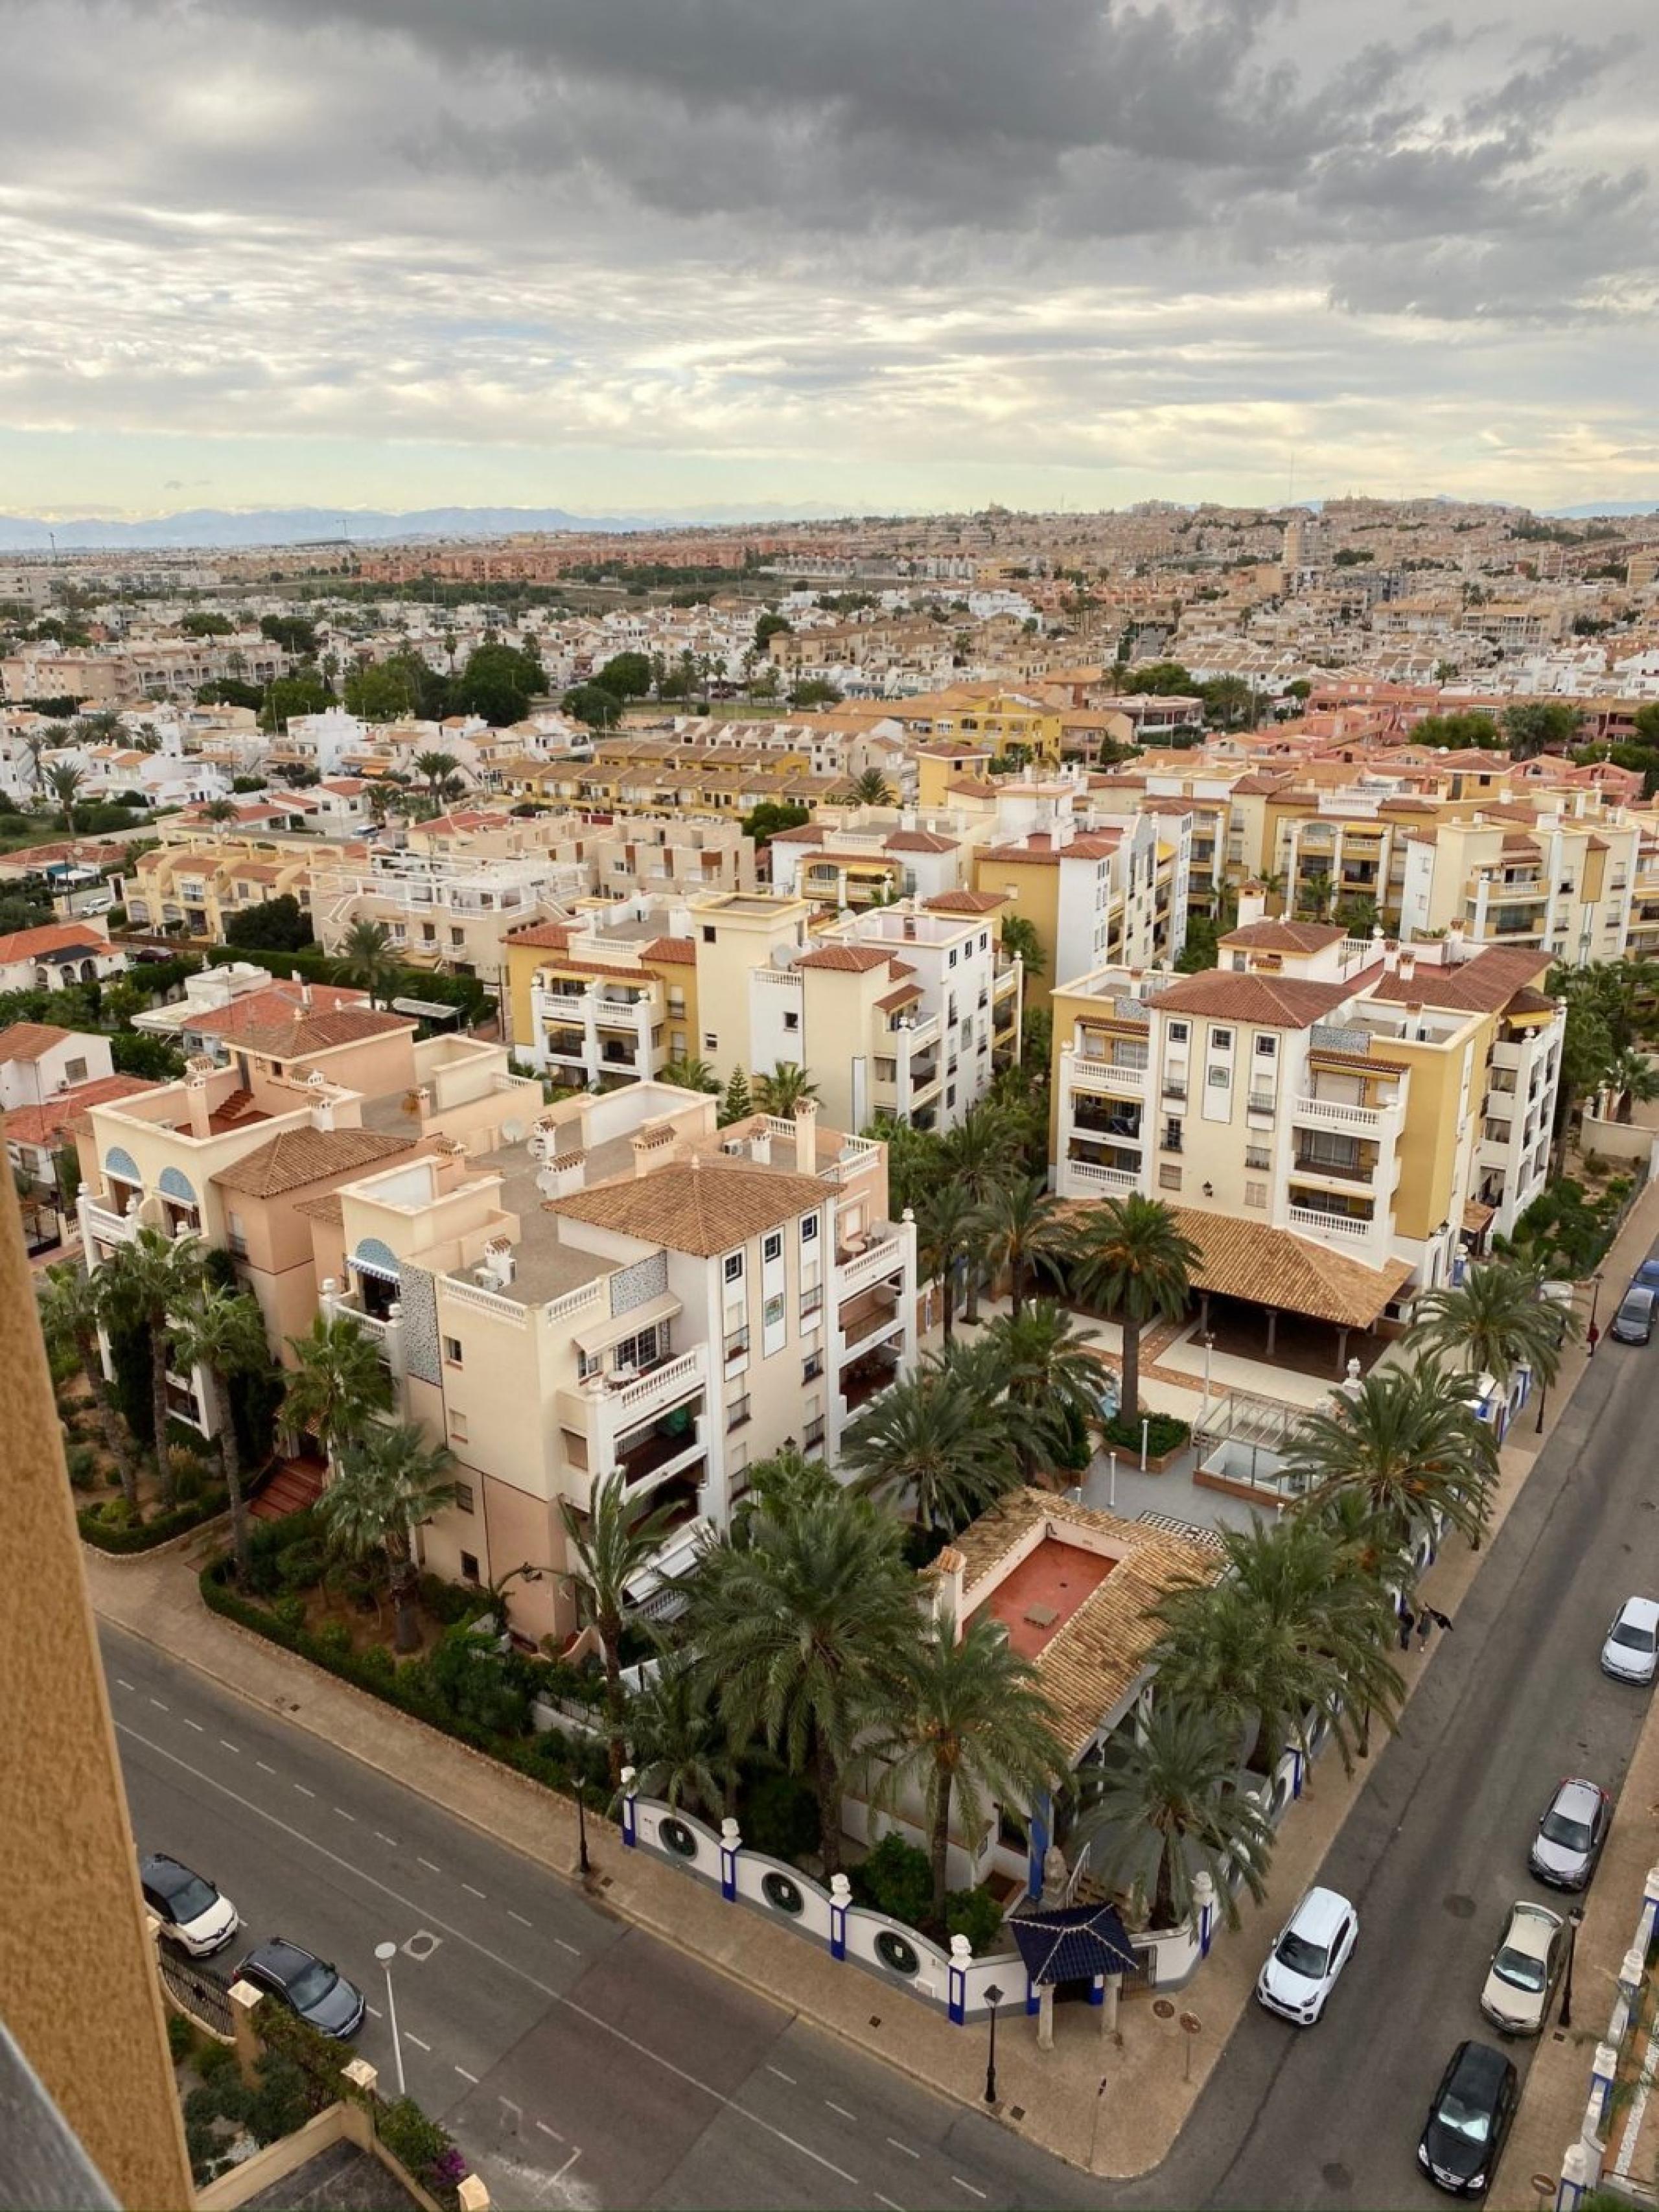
(110, 1536)
(545, 1758)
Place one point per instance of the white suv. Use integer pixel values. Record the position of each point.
(1312, 1949)
(1633, 1643)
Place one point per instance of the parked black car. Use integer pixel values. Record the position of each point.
(305, 1984)
(1633, 1322)
(1462, 2138)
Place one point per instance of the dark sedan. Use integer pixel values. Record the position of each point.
(1463, 2136)
(305, 1984)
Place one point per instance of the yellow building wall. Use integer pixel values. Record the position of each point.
(1033, 892)
(1431, 1139)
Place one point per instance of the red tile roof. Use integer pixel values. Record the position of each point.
(30, 1040)
(41, 1125)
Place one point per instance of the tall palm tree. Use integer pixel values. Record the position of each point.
(366, 959)
(1019, 939)
(72, 1306)
(871, 788)
(802, 1630)
(151, 1278)
(388, 1482)
(682, 1749)
(607, 1547)
(337, 1385)
(968, 1724)
(1493, 1320)
(978, 1154)
(1293, 1627)
(689, 1074)
(787, 1087)
(1633, 1080)
(1407, 1442)
(1051, 1382)
(223, 1333)
(65, 783)
(927, 1442)
(1021, 1227)
(220, 811)
(1131, 1255)
(437, 768)
(1177, 1778)
(946, 1223)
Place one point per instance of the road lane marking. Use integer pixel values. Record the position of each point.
(381, 1836)
(158, 1706)
(566, 2168)
(427, 1864)
(123, 1681)
(469, 1888)
(782, 2075)
(410, 2037)
(190, 1724)
(969, 2186)
(519, 1917)
(262, 1768)
(595, 2020)
(546, 2131)
(375, 2012)
(887, 2201)
(225, 1744)
(465, 2076)
(842, 2110)
(905, 2147)
(344, 1814)
(563, 1946)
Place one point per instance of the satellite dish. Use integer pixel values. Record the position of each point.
(513, 1132)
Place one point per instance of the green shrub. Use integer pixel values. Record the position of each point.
(82, 1463)
(110, 1526)
(780, 1816)
(379, 1668)
(1165, 1432)
(281, 2102)
(300, 1565)
(181, 2038)
(417, 2142)
(291, 1610)
(215, 2058)
(448, 1602)
(333, 1640)
(205, 2149)
(116, 1513)
(895, 1879)
(975, 1914)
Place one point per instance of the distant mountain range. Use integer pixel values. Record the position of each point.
(1603, 506)
(222, 527)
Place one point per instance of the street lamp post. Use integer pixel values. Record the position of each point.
(583, 1864)
(1209, 1346)
(1575, 1920)
(385, 1952)
(993, 1998)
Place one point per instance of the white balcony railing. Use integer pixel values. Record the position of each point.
(1109, 1075)
(869, 1267)
(105, 1225)
(1337, 1113)
(1345, 1228)
(1091, 1177)
(655, 1391)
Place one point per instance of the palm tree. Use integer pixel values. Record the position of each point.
(928, 1440)
(388, 1483)
(338, 1384)
(1131, 1255)
(690, 1074)
(223, 1333)
(1407, 1442)
(1177, 1778)
(1632, 1078)
(151, 1278)
(65, 783)
(366, 959)
(969, 1725)
(979, 1154)
(1019, 939)
(945, 1227)
(220, 811)
(1052, 1384)
(72, 1306)
(681, 1751)
(1021, 1228)
(803, 1631)
(787, 1087)
(1293, 1627)
(871, 788)
(1492, 1321)
(437, 768)
(608, 1548)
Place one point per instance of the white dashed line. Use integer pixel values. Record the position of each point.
(782, 2075)
(158, 1706)
(416, 2040)
(303, 1791)
(887, 2201)
(225, 1744)
(344, 1814)
(566, 2168)
(546, 2131)
(430, 1869)
(905, 2147)
(190, 1724)
(841, 2109)
(470, 1890)
(381, 1836)
(375, 2012)
(465, 2076)
(262, 1768)
(123, 1681)
(519, 1917)
(563, 1946)
(969, 2186)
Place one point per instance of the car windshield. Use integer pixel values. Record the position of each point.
(311, 1984)
(1571, 1835)
(1634, 1309)
(1519, 1971)
(1471, 2121)
(1634, 1639)
(193, 1899)
(1301, 1956)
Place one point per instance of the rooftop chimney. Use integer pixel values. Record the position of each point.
(806, 1136)
(1252, 905)
(1407, 964)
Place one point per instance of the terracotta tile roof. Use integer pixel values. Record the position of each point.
(850, 959)
(274, 1003)
(1528, 1001)
(1092, 1661)
(52, 937)
(700, 1206)
(299, 1157)
(919, 841)
(1480, 986)
(30, 1040)
(971, 786)
(40, 1125)
(676, 951)
(905, 995)
(965, 902)
(1279, 1002)
(805, 833)
(301, 1033)
(553, 935)
(1247, 1259)
(322, 1209)
(1285, 936)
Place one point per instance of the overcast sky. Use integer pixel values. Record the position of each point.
(627, 254)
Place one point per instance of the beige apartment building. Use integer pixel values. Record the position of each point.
(1513, 877)
(194, 881)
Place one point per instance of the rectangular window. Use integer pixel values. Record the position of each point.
(710, 1042)
(734, 1267)
(1220, 1078)
(809, 1228)
(792, 1020)
(737, 1414)
(737, 1343)
(1267, 1047)
(463, 1497)
(452, 1352)
(708, 933)
(772, 1248)
(588, 1364)
(458, 1427)
(1169, 1178)
(812, 1302)
(469, 1567)
(75, 1071)
(1177, 1033)
(1255, 1193)
(811, 1367)
(1221, 1040)
(773, 1316)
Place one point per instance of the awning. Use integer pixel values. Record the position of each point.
(596, 1336)
(1071, 1943)
(1476, 1217)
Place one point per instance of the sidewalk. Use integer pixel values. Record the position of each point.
(1054, 2093)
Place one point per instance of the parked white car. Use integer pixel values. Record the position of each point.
(1633, 1646)
(1313, 1948)
(1524, 1968)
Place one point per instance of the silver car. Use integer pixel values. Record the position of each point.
(1570, 1835)
(1633, 1643)
(1524, 1968)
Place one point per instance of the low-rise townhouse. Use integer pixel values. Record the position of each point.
(57, 954)
(446, 912)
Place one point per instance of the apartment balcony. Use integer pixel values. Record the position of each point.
(102, 1225)
(652, 1454)
(1174, 1087)
(1081, 1178)
(866, 1320)
(1103, 1122)
(1337, 1113)
(867, 1375)
(1124, 1078)
(1350, 1229)
(1005, 984)
(880, 1255)
(1361, 1168)
(922, 1034)
(608, 1408)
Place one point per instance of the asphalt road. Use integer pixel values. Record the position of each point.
(578, 2062)
(1435, 1850)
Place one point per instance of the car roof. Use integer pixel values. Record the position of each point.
(1531, 1927)
(1319, 1914)
(165, 1874)
(280, 1957)
(1576, 1792)
(1640, 1612)
(1480, 2064)
(1638, 1298)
